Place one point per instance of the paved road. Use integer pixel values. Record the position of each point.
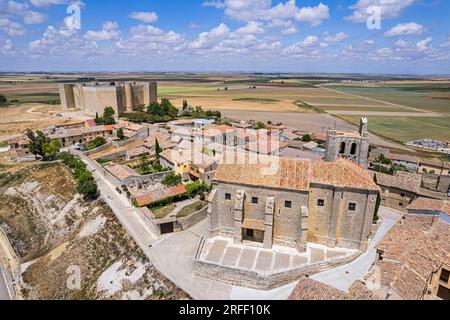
(4, 290)
(127, 214)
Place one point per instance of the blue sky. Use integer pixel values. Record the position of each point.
(406, 37)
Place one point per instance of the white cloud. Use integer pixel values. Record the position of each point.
(144, 16)
(424, 44)
(251, 28)
(389, 9)
(110, 31)
(289, 31)
(11, 28)
(46, 3)
(8, 47)
(215, 4)
(402, 29)
(209, 39)
(401, 43)
(34, 17)
(313, 15)
(263, 10)
(338, 37)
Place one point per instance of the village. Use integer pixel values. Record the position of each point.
(273, 207)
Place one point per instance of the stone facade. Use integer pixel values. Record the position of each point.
(94, 98)
(266, 215)
(350, 145)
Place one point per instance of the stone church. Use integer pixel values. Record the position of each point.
(348, 144)
(294, 202)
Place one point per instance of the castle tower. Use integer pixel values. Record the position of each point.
(128, 97)
(350, 145)
(67, 96)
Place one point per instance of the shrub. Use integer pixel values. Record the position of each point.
(97, 142)
(171, 180)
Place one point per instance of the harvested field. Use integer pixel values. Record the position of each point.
(16, 119)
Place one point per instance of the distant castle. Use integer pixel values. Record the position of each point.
(95, 97)
(350, 145)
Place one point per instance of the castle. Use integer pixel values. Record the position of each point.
(95, 97)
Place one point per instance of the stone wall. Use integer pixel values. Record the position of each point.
(262, 281)
(190, 221)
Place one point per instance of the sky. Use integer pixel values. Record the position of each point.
(339, 36)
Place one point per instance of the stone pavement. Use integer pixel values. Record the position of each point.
(224, 252)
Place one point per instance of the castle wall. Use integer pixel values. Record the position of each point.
(95, 98)
(67, 96)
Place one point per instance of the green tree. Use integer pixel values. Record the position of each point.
(260, 125)
(171, 180)
(108, 113)
(37, 142)
(51, 150)
(158, 149)
(97, 142)
(306, 138)
(185, 105)
(3, 99)
(120, 134)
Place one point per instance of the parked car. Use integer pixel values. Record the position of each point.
(119, 191)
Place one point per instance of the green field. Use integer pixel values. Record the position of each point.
(404, 129)
(263, 100)
(33, 97)
(426, 96)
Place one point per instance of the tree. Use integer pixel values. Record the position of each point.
(306, 138)
(260, 125)
(3, 99)
(171, 180)
(51, 150)
(37, 142)
(108, 113)
(97, 142)
(120, 134)
(185, 105)
(158, 149)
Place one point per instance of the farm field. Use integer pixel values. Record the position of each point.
(430, 96)
(407, 128)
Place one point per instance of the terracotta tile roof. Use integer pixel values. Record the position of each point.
(90, 123)
(343, 173)
(297, 174)
(184, 156)
(147, 199)
(425, 204)
(416, 247)
(216, 130)
(137, 151)
(287, 174)
(309, 289)
(401, 180)
(120, 172)
(319, 136)
(267, 146)
(182, 122)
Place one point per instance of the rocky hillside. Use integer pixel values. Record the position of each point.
(70, 249)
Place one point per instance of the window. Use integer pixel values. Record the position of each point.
(320, 203)
(342, 148)
(288, 204)
(354, 149)
(402, 194)
(250, 233)
(227, 196)
(352, 206)
(401, 204)
(445, 274)
(254, 200)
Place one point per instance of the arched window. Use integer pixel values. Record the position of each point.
(354, 149)
(342, 148)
